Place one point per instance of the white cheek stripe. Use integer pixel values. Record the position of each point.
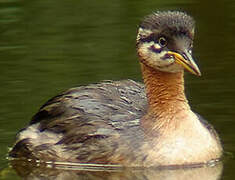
(154, 59)
(157, 46)
(144, 32)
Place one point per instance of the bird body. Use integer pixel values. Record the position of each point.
(124, 122)
(174, 126)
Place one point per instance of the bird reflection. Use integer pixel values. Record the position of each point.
(36, 171)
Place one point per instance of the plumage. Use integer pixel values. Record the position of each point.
(125, 122)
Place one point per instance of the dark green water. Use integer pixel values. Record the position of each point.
(49, 46)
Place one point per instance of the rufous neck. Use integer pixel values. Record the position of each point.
(165, 91)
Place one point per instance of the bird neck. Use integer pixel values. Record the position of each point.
(166, 97)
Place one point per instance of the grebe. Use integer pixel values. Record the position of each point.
(125, 122)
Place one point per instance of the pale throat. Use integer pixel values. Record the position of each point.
(165, 94)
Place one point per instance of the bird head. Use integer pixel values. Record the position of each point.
(165, 42)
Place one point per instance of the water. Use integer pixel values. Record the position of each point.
(49, 46)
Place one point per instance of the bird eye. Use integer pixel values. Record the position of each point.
(162, 41)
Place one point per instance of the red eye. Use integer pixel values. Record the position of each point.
(162, 41)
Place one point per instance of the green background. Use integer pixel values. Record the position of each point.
(47, 46)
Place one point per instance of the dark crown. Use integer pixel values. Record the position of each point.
(174, 21)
